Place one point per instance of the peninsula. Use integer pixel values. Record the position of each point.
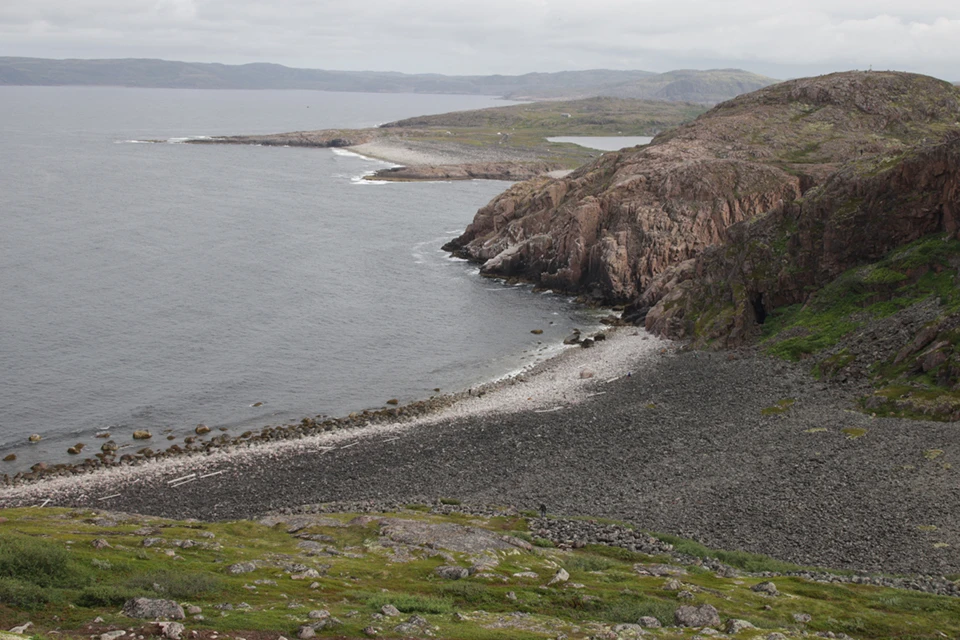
(499, 143)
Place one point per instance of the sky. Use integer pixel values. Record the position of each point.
(779, 38)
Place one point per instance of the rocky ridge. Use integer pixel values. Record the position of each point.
(613, 226)
(857, 216)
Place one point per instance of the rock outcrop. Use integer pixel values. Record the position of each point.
(857, 216)
(510, 171)
(611, 228)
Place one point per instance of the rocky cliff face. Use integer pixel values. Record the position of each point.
(856, 217)
(612, 227)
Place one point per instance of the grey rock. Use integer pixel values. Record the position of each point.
(735, 625)
(308, 574)
(802, 617)
(100, 543)
(649, 622)
(390, 611)
(406, 629)
(451, 572)
(627, 630)
(561, 576)
(672, 585)
(318, 614)
(704, 615)
(112, 635)
(420, 621)
(305, 631)
(447, 536)
(194, 610)
(241, 567)
(766, 588)
(659, 570)
(371, 632)
(685, 595)
(149, 608)
(171, 630)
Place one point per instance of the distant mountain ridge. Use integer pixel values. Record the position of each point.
(704, 87)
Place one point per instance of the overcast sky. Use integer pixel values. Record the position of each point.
(775, 37)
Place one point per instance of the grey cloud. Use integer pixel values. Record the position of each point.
(779, 37)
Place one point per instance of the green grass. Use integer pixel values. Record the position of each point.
(585, 562)
(355, 587)
(24, 595)
(905, 277)
(410, 603)
(39, 562)
(630, 608)
(181, 585)
(751, 562)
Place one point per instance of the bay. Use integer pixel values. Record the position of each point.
(157, 286)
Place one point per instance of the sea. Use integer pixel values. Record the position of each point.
(150, 284)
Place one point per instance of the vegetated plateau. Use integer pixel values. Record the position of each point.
(504, 143)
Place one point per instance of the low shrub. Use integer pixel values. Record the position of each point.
(40, 562)
(105, 596)
(627, 609)
(23, 595)
(585, 562)
(176, 584)
(407, 603)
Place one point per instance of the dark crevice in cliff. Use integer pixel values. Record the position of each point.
(759, 311)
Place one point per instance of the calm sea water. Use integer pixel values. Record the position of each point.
(604, 143)
(161, 285)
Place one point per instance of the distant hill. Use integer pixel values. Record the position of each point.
(704, 87)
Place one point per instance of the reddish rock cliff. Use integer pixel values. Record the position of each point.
(856, 217)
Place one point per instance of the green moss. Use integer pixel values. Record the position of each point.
(408, 603)
(357, 584)
(872, 291)
(781, 407)
(40, 562)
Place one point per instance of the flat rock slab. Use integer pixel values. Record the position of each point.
(298, 522)
(450, 537)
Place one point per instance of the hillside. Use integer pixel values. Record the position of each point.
(705, 87)
(420, 570)
(820, 152)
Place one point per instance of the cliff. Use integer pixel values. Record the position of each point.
(859, 278)
(611, 228)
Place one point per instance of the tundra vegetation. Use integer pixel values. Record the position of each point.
(69, 572)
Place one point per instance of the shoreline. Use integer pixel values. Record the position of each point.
(486, 397)
(688, 445)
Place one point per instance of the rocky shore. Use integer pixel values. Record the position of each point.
(736, 450)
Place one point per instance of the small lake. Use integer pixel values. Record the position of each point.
(604, 143)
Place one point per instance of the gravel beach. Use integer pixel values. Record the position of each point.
(406, 151)
(682, 445)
